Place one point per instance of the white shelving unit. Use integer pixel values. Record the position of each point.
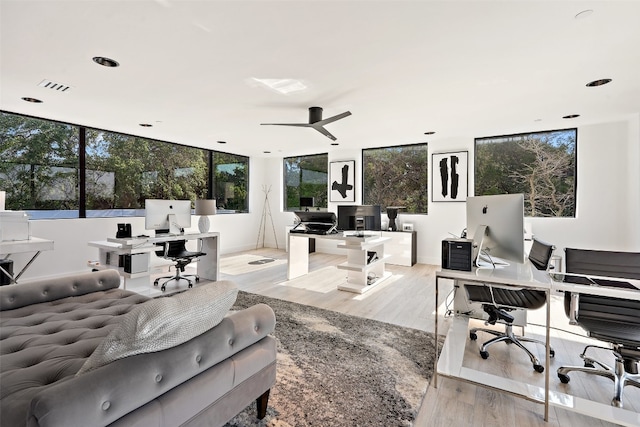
(364, 274)
(108, 253)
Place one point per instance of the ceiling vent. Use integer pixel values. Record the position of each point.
(59, 87)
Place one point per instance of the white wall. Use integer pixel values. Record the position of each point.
(607, 212)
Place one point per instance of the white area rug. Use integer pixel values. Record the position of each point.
(241, 264)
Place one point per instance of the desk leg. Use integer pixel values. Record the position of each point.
(208, 265)
(548, 361)
(435, 341)
(298, 257)
(14, 278)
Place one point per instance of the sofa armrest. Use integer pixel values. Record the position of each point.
(102, 396)
(45, 290)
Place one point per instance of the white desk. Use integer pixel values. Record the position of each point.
(34, 244)
(449, 363)
(208, 265)
(357, 266)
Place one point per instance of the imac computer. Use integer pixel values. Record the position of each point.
(359, 217)
(496, 225)
(167, 215)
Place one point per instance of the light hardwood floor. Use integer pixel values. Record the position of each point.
(408, 300)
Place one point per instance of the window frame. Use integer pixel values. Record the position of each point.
(81, 168)
(574, 159)
(285, 207)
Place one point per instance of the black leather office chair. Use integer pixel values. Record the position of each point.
(177, 252)
(613, 320)
(498, 302)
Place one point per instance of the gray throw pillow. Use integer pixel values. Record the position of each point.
(163, 323)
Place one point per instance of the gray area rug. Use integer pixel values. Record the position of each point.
(340, 370)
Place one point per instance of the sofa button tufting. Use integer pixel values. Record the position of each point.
(230, 341)
(158, 378)
(256, 328)
(198, 358)
(106, 405)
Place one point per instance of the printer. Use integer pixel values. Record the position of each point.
(14, 225)
(315, 223)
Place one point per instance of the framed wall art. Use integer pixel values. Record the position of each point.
(342, 181)
(449, 176)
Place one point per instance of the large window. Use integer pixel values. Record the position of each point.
(541, 165)
(305, 176)
(396, 176)
(39, 165)
(122, 171)
(44, 173)
(231, 182)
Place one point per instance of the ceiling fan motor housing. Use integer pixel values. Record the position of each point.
(315, 114)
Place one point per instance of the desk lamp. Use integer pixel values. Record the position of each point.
(204, 208)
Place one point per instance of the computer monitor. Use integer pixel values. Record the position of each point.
(359, 217)
(306, 202)
(172, 215)
(496, 225)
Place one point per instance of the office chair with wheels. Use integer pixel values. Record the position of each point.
(177, 252)
(613, 320)
(497, 302)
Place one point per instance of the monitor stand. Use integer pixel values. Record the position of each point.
(480, 260)
(174, 228)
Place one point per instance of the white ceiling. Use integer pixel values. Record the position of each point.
(459, 68)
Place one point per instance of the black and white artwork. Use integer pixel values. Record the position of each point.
(341, 181)
(449, 177)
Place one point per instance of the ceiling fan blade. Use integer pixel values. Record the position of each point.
(334, 118)
(323, 131)
(304, 125)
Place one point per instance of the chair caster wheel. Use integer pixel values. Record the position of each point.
(473, 336)
(197, 279)
(552, 353)
(163, 288)
(155, 283)
(190, 285)
(484, 354)
(564, 379)
(538, 368)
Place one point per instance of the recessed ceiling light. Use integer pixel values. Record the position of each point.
(571, 116)
(105, 62)
(429, 133)
(598, 82)
(34, 100)
(334, 143)
(267, 152)
(584, 14)
(222, 142)
(146, 125)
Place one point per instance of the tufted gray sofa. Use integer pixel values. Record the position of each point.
(49, 328)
